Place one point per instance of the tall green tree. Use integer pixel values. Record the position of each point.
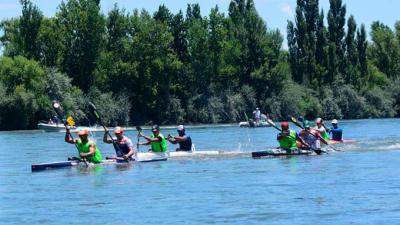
(351, 72)
(336, 23)
(82, 27)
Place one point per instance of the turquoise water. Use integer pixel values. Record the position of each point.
(358, 186)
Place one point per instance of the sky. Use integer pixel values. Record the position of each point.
(274, 12)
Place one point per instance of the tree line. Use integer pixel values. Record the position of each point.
(168, 68)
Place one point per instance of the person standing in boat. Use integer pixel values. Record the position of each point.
(184, 140)
(337, 133)
(312, 137)
(322, 129)
(157, 141)
(257, 115)
(86, 147)
(125, 149)
(288, 138)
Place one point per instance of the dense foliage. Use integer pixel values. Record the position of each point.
(170, 68)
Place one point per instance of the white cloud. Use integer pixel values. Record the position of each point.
(6, 6)
(285, 8)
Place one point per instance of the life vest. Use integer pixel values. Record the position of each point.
(160, 146)
(85, 148)
(311, 140)
(288, 142)
(323, 133)
(123, 145)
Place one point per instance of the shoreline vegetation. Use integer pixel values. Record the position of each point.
(142, 68)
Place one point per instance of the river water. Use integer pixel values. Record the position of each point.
(358, 186)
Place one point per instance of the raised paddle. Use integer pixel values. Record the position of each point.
(67, 122)
(95, 114)
(139, 130)
(272, 124)
(294, 120)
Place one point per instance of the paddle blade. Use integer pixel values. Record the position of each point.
(59, 111)
(270, 122)
(70, 121)
(93, 110)
(56, 105)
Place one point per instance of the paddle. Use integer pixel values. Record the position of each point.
(70, 121)
(139, 130)
(95, 114)
(294, 120)
(272, 124)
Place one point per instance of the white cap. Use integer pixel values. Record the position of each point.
(118, 130)
(318, 120)
(334, 121)
(180, 128)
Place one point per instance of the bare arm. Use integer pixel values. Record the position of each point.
(92, 151)
(151, 139)
(106, 139)
(144, 143)
(68, 138)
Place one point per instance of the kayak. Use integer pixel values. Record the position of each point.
(333, 142)
(280, 152)
(63, 164)
(140, 157)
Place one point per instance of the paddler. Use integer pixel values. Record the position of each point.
(184, 140)
(124, 145)
(88, 150)
(156, 140)
(336, 131)
(312, 137)
(288, 138)
(322, 129)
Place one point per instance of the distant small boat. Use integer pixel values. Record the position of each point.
(254, 124)
(59, 127)
(52, 127)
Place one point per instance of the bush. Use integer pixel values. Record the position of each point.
(350, 103)
(379, 103)
(114, 110)
(174, 113)
(329, 105)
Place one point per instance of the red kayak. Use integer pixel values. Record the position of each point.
(333, 142)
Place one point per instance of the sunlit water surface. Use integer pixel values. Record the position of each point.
(358, 186)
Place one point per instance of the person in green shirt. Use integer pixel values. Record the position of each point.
(88, 150)
(157, 141)
(288, 138)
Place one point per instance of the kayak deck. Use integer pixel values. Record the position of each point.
(280, 152)
(142, 157)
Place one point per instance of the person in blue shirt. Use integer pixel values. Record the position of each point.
(337, 133)
(184, 140)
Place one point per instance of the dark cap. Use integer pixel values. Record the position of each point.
(155, 128)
